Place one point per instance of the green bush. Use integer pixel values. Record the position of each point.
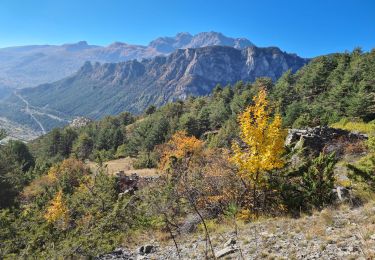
(310, 185)
(145, 160)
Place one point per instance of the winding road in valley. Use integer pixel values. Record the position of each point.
(28, 111)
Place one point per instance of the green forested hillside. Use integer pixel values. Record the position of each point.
(53, 206)
(328, 89)
(325, 91)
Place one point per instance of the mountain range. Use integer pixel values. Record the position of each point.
(28, 66)
(168, 69)
(97, 89)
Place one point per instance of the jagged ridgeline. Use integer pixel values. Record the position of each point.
(29, 66)
(97, 90)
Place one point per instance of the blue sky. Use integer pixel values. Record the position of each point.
(305, 27)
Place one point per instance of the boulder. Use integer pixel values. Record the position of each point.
(193, 220)
(117, 254)
(342, 194)
(226, 251)
(229, 248)
(230, 242)
(146, 249)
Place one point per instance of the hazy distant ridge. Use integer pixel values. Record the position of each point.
(28, 66)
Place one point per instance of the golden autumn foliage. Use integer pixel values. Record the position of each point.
(179, 146)
(260, 152)
(263, 137)
(199, 169)
(57, 211)
(70, 171)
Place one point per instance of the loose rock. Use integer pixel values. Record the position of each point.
(226, 251)
(146, 249)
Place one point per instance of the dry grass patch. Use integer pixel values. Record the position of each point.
(316, 229)
(362, 127)
(125, 165)
(327, 216)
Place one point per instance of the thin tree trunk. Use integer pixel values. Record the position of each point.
(208, 239)
(173, 237)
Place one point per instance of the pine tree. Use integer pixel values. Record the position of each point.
(3, 134)
(318, 181)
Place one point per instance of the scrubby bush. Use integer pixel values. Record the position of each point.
(308, 186)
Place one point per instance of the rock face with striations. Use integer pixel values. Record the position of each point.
(29, 66)
(103, 89)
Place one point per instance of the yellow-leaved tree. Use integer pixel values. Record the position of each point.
(178, 147)
(190, 170)
(262, 146)
(57, 212)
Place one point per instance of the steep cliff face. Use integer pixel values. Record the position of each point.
(101, 89)
(28, 66)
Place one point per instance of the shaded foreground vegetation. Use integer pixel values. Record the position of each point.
(219, 156)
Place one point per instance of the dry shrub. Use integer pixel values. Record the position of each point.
(67, 174)
(327, 216)
(345, 145)
(37, 187)
(357, 147)
(199, 173)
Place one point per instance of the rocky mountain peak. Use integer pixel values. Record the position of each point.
(186, 40)
(86, 67)
(79, 46)
(183, 35)
(215, 38)
(118, 45)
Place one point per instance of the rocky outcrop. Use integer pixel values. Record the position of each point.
(320, 138)
(124, 254)
(117, 254)
(80, 122)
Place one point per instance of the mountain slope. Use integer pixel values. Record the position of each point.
(97, 90)
(28, 66)
(4, 92)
